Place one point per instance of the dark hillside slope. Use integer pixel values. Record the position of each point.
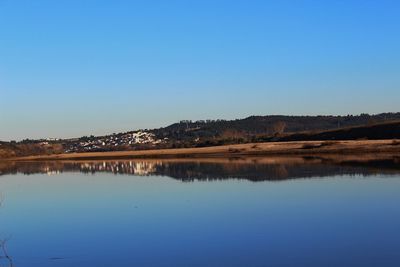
(269, 125)
(389, 130)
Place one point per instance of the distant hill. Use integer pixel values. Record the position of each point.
(253, 127)
(187, 134)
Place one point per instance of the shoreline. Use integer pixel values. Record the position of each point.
(293, 148)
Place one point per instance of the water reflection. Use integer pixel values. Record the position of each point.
(253, 169)
(5, 258)
(105, 220)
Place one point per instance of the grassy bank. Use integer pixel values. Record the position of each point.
(254, 149)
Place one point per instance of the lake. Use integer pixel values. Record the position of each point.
(318, 211)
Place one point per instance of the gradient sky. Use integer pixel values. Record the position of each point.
(80, 67)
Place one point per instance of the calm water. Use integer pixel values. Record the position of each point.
(243, 212)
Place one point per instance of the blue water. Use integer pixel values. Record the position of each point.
(73, 219)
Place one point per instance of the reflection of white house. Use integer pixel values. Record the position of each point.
(133, 167)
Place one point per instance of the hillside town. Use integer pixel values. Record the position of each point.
(130, 140)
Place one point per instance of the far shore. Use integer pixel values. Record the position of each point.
(356, 147)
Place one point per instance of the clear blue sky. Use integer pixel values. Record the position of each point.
(80, 67)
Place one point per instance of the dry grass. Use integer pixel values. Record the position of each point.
(396, 142)
(314, 145)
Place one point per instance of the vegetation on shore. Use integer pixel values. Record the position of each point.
(254, 149)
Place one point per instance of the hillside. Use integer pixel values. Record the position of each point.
(388, 130)
(189, 134)
(8, 150)
(255, 126)
(271, 124)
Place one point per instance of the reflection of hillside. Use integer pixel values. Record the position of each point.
(254, 169)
